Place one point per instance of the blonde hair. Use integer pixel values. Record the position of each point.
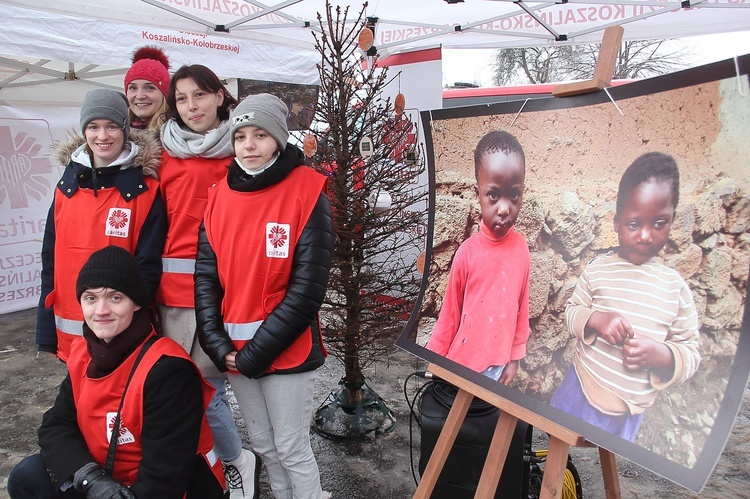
(157, 120)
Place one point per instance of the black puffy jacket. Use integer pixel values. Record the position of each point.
(304, 295)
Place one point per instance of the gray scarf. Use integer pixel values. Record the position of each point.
(184, 143)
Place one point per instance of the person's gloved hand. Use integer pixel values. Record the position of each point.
(92, 481)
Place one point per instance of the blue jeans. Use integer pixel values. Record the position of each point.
(493, 372)
(227, 440)
(29, 479)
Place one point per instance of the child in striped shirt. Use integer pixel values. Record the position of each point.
(634, 318)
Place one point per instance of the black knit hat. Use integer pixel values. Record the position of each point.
(115, 268)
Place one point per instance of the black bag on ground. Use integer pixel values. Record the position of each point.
(463, 468)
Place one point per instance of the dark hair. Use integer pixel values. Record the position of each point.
(496, 141)
(206, 81)
(656, 166)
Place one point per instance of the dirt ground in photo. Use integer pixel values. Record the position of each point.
(371, 467)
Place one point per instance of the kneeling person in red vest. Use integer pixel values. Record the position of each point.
(121, 375)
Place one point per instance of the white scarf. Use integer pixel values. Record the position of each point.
(184, 143)
(263, 168)
(126, 157)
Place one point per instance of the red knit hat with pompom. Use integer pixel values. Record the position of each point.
(149, 63)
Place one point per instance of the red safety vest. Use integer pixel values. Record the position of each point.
(97, 400)
(85, 223)
(184, 184)
(254, 235)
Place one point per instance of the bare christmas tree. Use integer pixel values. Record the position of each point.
(368, 147)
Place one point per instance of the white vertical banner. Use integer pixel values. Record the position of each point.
(418, 76)
(28, 176)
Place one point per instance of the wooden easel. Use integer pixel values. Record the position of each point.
(605, 65)
(560, 440)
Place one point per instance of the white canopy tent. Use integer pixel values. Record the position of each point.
(94, 39)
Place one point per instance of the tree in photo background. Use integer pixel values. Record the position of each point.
(636, 59)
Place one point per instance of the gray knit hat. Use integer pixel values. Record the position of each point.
(265, 111)
(105, 104)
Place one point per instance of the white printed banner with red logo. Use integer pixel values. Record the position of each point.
(28, 175)
(82, 39)
(239, 38)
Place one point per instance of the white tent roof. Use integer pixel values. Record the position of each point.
(273, 40)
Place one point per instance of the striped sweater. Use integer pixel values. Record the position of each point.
(658, 303)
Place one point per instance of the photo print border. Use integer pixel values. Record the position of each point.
(301, 99)
(624, 122)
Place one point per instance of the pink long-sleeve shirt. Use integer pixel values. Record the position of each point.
(484, 320)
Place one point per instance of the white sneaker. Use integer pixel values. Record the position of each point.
(242, 476)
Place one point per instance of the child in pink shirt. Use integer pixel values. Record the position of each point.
(484, 321)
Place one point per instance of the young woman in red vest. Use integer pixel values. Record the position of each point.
(120, 370)
(108, 194)
(264, 253)
(197, 151)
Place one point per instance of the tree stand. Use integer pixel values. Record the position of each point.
(340, 417)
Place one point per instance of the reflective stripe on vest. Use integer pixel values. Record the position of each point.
(69, 326)
(242, 331)
(212, 457)
(178, 265)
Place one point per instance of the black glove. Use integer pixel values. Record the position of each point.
(92, 481)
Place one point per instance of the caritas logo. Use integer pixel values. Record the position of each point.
(277, 240)
(22, 169)
(124, 436)
(118, 222)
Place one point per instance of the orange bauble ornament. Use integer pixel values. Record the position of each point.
(310, 145)
(399, 103)
(365, 39)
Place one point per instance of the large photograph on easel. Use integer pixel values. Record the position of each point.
(630, 245)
